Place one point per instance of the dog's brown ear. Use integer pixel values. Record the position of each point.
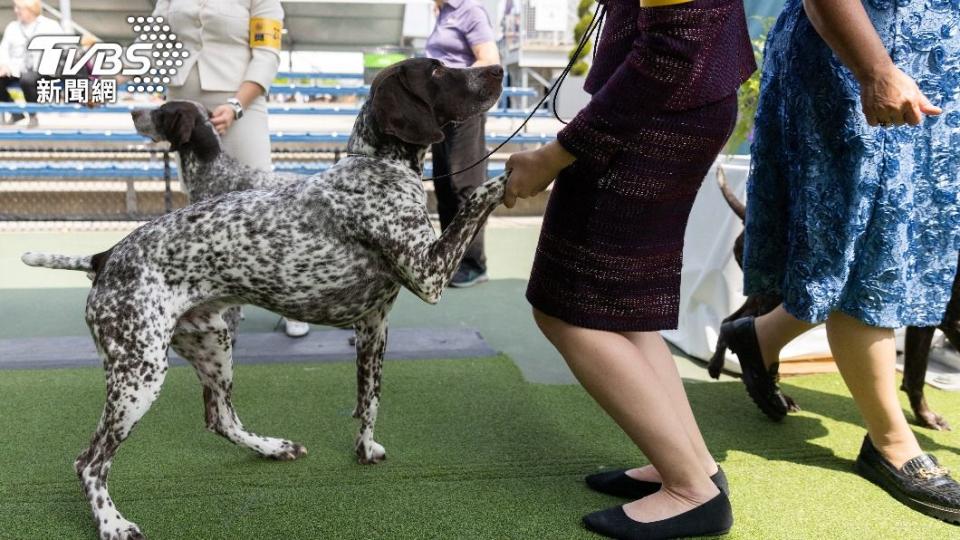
(177, 127)
(401, 112)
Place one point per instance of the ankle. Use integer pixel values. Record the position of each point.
(895, 448)
(691, 495)
(769, 349)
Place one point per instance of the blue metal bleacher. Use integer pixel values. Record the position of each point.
(315, 75)
(129, 136)
(273, 108)
(360, 90)
(152, 170)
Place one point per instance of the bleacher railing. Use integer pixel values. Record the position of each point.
(108, 175)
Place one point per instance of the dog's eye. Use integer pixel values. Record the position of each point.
(437, 72)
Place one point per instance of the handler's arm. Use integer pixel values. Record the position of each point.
(889, 96)
(486, 54)
(590, 136)
(266, 31)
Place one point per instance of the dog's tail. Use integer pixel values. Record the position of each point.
(736, 205)
(58, 262)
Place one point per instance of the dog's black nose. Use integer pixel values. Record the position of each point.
(495, 71)
(137, 113)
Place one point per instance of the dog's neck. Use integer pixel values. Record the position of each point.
(206, 170)
(368, 140)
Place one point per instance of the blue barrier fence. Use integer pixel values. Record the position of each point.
(154, 171)
(274, 108)
(361, 90)
(65, 135)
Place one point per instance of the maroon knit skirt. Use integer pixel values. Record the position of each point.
(611, 246)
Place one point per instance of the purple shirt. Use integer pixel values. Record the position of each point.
(461, 25)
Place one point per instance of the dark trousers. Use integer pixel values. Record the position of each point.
(28, 83)
(463, 145)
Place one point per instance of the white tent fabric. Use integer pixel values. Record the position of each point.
(712, 283)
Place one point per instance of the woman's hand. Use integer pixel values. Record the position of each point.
(533, 170)
(891, 97)
(222, 118)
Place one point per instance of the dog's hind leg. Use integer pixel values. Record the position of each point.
(203, 338)
(136, 366)
(371, 346)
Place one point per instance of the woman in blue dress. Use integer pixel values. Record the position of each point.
(853, 212)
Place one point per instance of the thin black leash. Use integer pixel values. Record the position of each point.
(598, 16)
(595, 23)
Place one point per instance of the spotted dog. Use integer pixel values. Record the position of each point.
(205, 169)
(333, 248)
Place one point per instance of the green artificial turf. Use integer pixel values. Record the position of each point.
(474, 452)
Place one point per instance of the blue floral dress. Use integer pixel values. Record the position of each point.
(841, 215)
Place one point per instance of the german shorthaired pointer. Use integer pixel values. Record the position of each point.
(205, 169)
(916, 345)
(333, 248)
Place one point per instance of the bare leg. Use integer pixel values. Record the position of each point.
(775, 330)
(652, 347)
(624, 382)
(371, 346)
(866, 357)
(203, 338)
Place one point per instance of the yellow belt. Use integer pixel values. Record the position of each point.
(657, 3)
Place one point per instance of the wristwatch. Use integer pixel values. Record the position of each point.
(237, 108)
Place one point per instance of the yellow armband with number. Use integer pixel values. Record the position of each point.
(265, 33)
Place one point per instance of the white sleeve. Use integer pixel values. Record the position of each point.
(161, 8)
(5, 45)
(266, 23)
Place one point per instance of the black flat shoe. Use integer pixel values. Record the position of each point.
(712, 518)
(618, 484)
(921, 484)
(741, 338)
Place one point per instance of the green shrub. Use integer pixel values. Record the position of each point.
(585, 12)
(749, 95)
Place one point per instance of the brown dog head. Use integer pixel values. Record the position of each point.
(413, 99)
(184, 124)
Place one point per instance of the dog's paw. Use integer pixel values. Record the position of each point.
(370, 453)
(792, 406)
(932, 420)
(288, 451)
(120, 530)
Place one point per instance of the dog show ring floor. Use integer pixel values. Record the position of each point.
(492, 441)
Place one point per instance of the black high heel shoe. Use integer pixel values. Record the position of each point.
(741, 338)
(619, 484)
(712, 518)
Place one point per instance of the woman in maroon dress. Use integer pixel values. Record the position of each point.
(606, 277)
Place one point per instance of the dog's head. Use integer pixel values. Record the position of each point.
(184, 124)
(412, 100)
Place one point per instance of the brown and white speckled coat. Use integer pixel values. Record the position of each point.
(333, 249)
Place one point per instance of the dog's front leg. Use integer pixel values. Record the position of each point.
(371, 345)
(426, 269)
(916, 350)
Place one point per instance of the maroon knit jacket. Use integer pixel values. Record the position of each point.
(636, 62)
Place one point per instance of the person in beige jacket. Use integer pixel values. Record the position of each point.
(233, 53)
